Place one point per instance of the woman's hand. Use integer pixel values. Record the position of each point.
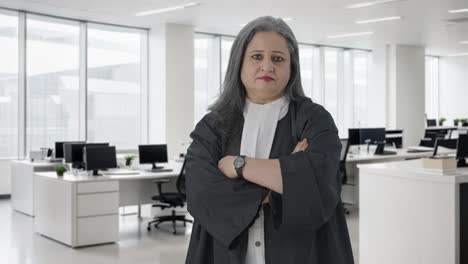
(301, 146)
(226, 165)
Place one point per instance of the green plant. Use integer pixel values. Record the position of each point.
(60, 169)
(128, 159)
(456, 121)
(442, 120)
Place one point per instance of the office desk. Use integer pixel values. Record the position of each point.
(22, 183)
(411, 215)
(83, 210)
(350, 192)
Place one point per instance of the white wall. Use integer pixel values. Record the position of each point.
(180, 88)
(376, 91)
(453, 91)
(5, 177)
(406, 91)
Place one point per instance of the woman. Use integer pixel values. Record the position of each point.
(262, 170)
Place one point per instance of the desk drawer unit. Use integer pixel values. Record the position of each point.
(97, 204)
(96, 187)
(97, 207)
(97, 230)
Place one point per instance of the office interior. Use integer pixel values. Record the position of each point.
(134, 78)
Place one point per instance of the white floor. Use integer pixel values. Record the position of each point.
(20, 245)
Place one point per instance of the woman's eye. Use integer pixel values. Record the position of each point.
(278, 59)
(257, 57)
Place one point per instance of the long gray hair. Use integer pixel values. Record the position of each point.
(229, 107)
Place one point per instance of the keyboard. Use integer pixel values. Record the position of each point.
(120, 172)
(416, 149)
(159, 170)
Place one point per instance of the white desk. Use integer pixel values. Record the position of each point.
(22, 183)
(350, 192)
(83, 210)
(411, 215)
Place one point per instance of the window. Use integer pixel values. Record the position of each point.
(207, 73)
(52, 67)
(306, 58)
(331, 81)
(8, 85)
(360, 77)
(432, 87)
(226, 45)
(114, 95)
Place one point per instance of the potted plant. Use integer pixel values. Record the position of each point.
(456, 121)
(441, 121)
(128, 159)
(463, 121)
(60, 169)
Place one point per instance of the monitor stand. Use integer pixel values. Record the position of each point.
(156, 168)
(462, 163)
(380, 150)
(96, 173)
(77, 165)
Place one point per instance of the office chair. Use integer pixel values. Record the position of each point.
(446, 143)
(343, 177)
(170, 200)
(430, 139)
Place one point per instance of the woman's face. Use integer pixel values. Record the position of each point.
(266, 67)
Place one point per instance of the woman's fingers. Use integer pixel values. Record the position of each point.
(301, 145)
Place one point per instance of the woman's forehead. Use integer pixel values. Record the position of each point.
(268, 41)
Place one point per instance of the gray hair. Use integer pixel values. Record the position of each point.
(228, 108)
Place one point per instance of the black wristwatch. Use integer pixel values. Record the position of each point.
(239, 163)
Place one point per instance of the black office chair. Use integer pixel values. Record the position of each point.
(343, 175)
(170, 200)
(430, 139)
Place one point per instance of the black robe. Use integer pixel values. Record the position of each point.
(305, 224)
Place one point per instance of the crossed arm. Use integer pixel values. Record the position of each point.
(264, 172)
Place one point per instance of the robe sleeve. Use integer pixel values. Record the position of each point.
(224, 207)
(310, 177)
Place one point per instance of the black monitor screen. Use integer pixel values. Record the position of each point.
(99, 157)
(73, 152)
(354, 136)
(152, 153)
(59, 150)
(372, 135)
(462, 146)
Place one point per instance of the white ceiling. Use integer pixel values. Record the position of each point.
(424, 21)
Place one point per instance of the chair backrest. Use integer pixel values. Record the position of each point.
(180, 184)
(344, 149)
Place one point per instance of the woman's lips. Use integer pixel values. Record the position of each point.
(266, 78)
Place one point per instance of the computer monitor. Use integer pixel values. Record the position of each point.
(431, 122)
(152, 154)
(99, 158)
(359, 136)
(59, 153)
(354, 136)
(73, 152)
(372, 135)
(462, 150)
(446, 143)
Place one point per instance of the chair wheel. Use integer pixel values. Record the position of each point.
(148, 228)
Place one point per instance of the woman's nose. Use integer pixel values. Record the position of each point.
(267, 66)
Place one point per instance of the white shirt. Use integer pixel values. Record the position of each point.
(259, 129)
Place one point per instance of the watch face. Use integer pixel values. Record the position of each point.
(238, 162)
